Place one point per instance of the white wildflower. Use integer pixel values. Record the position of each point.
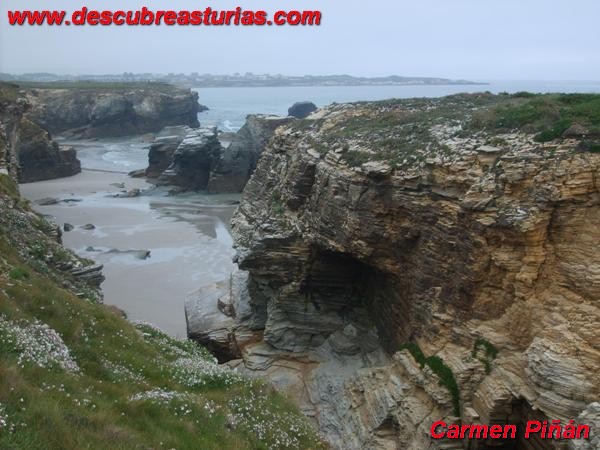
(38, 344)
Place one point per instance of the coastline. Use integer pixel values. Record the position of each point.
(187, 238)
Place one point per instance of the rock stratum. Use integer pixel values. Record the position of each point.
(409, 261)
(35, 155)
(198, 160)
(95, 110)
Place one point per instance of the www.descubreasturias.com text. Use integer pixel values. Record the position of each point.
(147, 17)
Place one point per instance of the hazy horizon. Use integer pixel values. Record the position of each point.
(464, 39)
(469, 79)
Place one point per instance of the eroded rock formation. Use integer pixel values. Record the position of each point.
(238, 160)
(34, 155)
(193, 160)
(106, 111)
(300, 110)
(373, 226)
(198, 160)
(40, 158)
(160, 154)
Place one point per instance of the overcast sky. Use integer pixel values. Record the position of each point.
(472, 39)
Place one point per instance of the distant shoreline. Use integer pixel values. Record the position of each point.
(237, 80)
(206, 85)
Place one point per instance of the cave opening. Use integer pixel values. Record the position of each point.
(360, 293)
(518, 412)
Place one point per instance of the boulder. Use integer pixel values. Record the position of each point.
(300, 110)
(575, 131)
(91, 274)
(140, 173)
(47, 201)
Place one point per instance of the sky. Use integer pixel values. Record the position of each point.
(468, 39)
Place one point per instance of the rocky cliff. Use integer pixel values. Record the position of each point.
(38, 240)
(89, 110)
(196, 159)
(35, 155)
(410, 261)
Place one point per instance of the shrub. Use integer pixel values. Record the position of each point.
(490, 353)
(490, 350)
(18, 273)
(548, 115)
(437, 366)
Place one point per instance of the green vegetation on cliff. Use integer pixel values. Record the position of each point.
(548, 116)
(74, 374)
(489, 352)
(405, 133)
(438, 367)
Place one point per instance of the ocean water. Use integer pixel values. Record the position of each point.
(111, 155)
(228, 107)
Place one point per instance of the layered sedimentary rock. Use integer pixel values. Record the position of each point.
(107, 111)
(238, 160)
(373, 226)
(40, 158)
(193, 160)
(37, 239)
(198, 160)
(34, 155)
(160, 153)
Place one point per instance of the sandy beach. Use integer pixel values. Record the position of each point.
(187, 238)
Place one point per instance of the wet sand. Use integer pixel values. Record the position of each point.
(187, 237)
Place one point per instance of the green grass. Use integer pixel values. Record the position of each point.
(437, 366)
(404, 133)
(18, 273)
(9, 92)
(547, 115)
(8, 187)
(51, 408)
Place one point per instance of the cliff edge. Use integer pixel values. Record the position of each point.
(93, 110)
(417, 260)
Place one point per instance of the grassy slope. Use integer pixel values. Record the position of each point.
(546, 115)
(94, 407)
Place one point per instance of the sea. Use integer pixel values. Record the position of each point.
(228, 107)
